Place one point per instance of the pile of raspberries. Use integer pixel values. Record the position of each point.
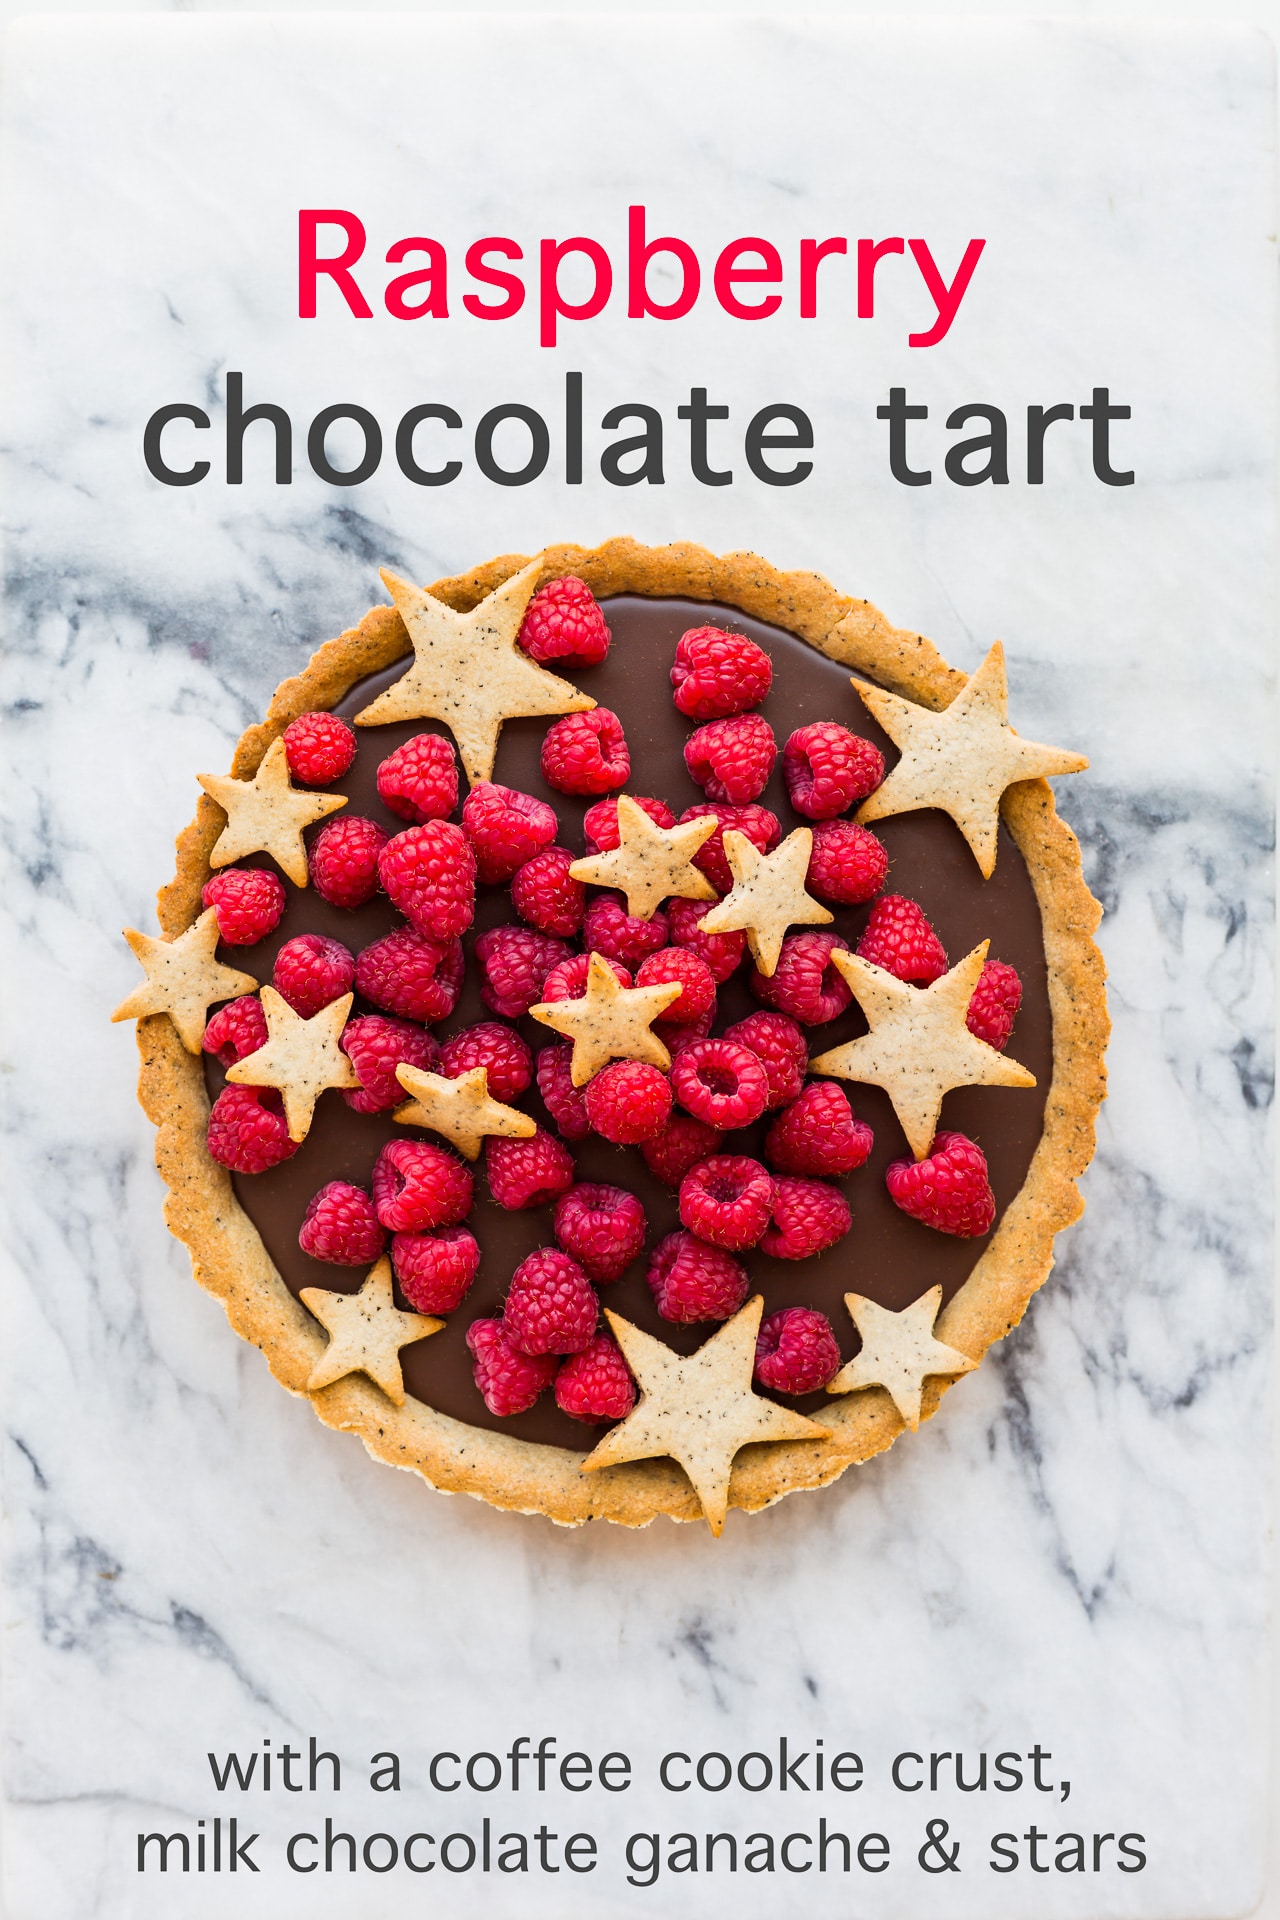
(682, 1121)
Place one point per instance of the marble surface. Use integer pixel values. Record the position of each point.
(1072, 1554)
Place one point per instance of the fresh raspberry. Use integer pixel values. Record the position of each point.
(563, 1101)
(247, 1130)
(808, 1216)
(567, 980)
(819, 1133)
(994, 1005)
(717, 673)
(898, 938)
(514, 964)
(318, 747)
(417, 1185)
(602, 1227)
(762, 828)
(343, 859)
(628, 1102)
(586, 753)
(247, 901)
(340, 1226)
(827, 768)
(608, 929)
(430, 874)
(804, 983)
(543, 893)
(681, 1144)
(510, 1381)
(563, 622)
(376, 1046)
(551, 1306)
(528, 1173)
(495, 1047)
(435, 1270)
(720, 1082)
(676, 1037)
(691, 1281)
(505, 828)
(419, 781)
(781, 1049)
(948, 1189)
(796, 1351)
(595, 1385)
(727, 1200)
(722, 952)
(847, 865)
(732, 759)
(600, 823)
(697, 999)
(236, 1030)
(409, 974)
(310, 972)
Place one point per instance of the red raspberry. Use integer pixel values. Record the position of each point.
(898, 938)
(691, 1281)
(417, 1185)
(567, 980)
(628, 1102)
(722, 952)
(781, 1049)
(796, 1351)
(586, 753)
(676, 1037)
(761, 827)
(602, 1227)
(720, 1082)
(819, 1133)
(247, 1130)
(827, 768)
(247, 901)
(563, 1101)
(808, 1216)
(318, 748)
(514, 964)
(727, 1200)
(804, 983)
(732, 759)
(435, 1270)
(509, 1380)
(340, 1226)
(505, 828)
(595, 1385)
(717, 673)
(681, 1144)
(563, 622)
(551, 1307)
(311, 972)
(543, 894)
(419, 781)
(528, 1173)
(697, 985)
(430, 873)
(495, 1047)
(608, 929)
(948, 1189)
(600, 823)
(376, 1046)
(236, 1030)
(848, 864)
(343, 859)
(408, 974)
(994, 1005)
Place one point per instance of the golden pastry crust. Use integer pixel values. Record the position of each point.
(230, 1261)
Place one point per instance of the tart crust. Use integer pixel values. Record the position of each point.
(228, 1257)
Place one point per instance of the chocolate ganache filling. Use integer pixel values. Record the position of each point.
(887, 1256)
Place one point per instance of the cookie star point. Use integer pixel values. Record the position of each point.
(267, 814)
(462, 1110)
(768, 895)
(650, 863)
(301, 1058)
(184, 978)
(609, 1021)
(366, 1332)
(899, 1352)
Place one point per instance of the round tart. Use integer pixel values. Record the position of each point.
(886, 1216)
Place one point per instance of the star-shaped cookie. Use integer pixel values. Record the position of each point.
(183, 979)
(898, 1352)
(610, 1021)
(961, 759)
(301, 1058)
(468, 671)
(919, 1046)
(267, 814)
(366, 1332)
(650, 863)
(699, 1408)
(460, 1109)
(768, 895)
